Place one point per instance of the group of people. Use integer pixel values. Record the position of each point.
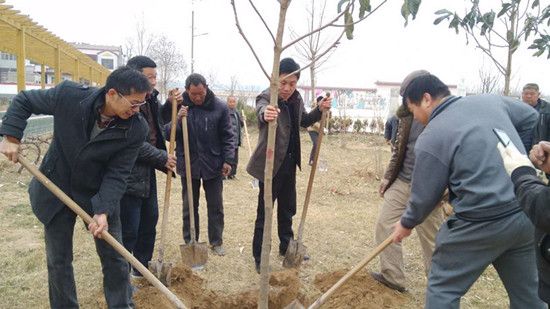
(109, 142)
(448, 152)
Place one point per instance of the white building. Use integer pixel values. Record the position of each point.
(110, 57)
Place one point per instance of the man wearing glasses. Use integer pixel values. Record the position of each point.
(95, 145)
(139, 205)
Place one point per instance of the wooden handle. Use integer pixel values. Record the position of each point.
(321, 300)
(168, 187)
(104, 235)
(312, 175)
(246, 134)
(189, 181)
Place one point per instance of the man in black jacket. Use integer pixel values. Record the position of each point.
(97, 136)
(211, 147)
(534, 198)
(139, 205)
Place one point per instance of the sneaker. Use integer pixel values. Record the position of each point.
(380, 278)
(218, 250)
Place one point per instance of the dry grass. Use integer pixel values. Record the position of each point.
(339, 232)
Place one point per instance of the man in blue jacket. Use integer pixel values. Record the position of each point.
(212, 151)
(97, 136)
(457, 151)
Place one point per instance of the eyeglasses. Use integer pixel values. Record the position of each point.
(133, 105)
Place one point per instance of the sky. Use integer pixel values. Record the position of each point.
(383, 49)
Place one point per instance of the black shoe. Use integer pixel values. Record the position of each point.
(257, 267)
(380, 278)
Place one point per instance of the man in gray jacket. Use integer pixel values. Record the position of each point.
(289, 115)
(457, 151)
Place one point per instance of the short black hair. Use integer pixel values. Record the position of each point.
(195, 79)
(287, 66)
(140, 62)
(126, 80)
(319, 98)
(425, 84)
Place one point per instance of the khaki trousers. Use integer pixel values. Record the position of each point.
(394, 205)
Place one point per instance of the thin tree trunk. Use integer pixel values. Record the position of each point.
(263, 301)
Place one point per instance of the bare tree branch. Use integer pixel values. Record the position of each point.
(246, 39)
(330, 23)
(262, 19)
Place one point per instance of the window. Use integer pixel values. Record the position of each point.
(108, 63)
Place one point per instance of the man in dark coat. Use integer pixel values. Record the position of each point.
(97, 136)
(139, 205)
(236, 124)
(289, 115)
(534, 198)
(211, 147)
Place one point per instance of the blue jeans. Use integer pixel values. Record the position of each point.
(58, 234)
(139, 218)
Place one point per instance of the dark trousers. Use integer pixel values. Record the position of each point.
(139, 218)
(234, 166)
(213, 189)
(58, 235)
(313, 135)
(284, 191)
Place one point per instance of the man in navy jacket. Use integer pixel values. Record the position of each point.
(212, 151)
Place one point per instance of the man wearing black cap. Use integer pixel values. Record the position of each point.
(289, 115)
(457, 151)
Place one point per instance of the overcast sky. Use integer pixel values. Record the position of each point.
(382, 50)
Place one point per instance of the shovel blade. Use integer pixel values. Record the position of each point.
(161, 270)
(295, 304)
(294, 254)
(194, 255)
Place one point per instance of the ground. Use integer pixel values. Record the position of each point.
(338, 234)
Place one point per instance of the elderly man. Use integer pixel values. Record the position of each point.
(212, 151)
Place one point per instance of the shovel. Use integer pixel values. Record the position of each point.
(193, 254)
(321, 300)
(163, 270)
(104, 235)
(296, 250)
(255, 182)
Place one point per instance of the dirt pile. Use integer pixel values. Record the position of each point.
(361, 291)
(285, 287)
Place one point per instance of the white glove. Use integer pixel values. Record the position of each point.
(512, 158)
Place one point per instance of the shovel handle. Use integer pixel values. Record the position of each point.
(104, 235)
(188, 179)
(321, 300)
(168, 188)
(312, 175)
(246, 134)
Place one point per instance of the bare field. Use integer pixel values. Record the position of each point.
(338, 234)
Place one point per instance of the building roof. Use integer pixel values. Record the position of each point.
(398, 84)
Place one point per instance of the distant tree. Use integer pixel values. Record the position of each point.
(170, 63)
(141, 43)
(516, 20)
(357, 126)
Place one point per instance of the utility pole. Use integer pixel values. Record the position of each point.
(193, 35)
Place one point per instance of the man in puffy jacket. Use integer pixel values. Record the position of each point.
(212, 151)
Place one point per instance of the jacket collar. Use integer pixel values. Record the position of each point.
(446, 102)
(208, 100)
